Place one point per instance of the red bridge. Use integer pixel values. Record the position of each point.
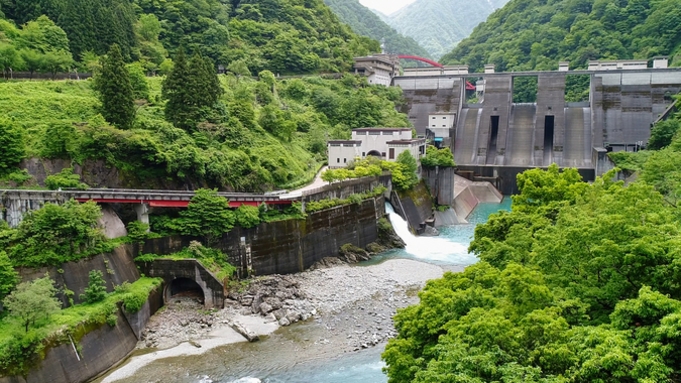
(152, 198)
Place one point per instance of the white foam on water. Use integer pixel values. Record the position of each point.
(440, 249)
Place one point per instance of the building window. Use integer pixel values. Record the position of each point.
(444, 118)
(444, 126)
(383, 154)
(364, 154)
(434, 117)
(338, 160)
(391, 155)
(345, 160)
(434, 125)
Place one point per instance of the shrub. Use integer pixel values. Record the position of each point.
(247, 216)
(65, 179)
(96, 288)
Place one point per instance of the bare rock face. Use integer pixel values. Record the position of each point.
(112, 224)
(353, 254)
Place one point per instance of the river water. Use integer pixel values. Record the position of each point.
(267, 362)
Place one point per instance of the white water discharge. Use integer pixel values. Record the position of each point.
(448, 247)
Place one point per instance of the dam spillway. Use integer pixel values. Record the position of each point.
(498, 138)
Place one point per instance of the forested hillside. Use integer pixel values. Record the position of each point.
(438, 25)
(536, 34)
(366, 23)
(284, 36)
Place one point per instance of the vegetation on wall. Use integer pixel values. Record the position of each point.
(537, 34)
(22, 347)
(403, 170)
(438, 157)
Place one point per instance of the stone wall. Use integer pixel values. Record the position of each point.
(99, 350)
(344, 189)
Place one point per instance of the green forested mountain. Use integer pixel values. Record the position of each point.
(364, 22)
(536, 34)
(285, 36)
(438, 25)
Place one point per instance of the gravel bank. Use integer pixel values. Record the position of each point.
(347, 308)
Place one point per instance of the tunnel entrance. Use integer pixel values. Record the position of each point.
(374, 153)
(188, 288)
(548, 140)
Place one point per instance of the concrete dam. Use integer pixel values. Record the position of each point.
(497, 138)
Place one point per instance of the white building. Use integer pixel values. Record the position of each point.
(618, 64)
(384, 143)
(441, 123)
(343, 151)
(378, 69)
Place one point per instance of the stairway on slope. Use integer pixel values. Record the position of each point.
(521, 135)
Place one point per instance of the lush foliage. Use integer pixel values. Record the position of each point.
(20, 350)
(8, 276)
(662, 133)
(96, 288)
(403, 171)
(576, 283)
(313, 206)
(13, 146)
(32, 301)
(247, 216)
(114, 89)
(285, 36)
(536, 34)
(364, 22)
(212, 259)
(55, 234)
(191, 88)
(64, 179)
(438, 157)
(207, 216)
(228, 150)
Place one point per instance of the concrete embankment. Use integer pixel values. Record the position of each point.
(103, 346)
(468, 194)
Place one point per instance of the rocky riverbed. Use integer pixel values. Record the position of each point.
(348, 307)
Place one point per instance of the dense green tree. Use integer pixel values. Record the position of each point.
(207, 216)
(409, 168)
(55, 62)
(12, 142)
(247, 216)
(662, 134)
(32, 301)
(8, 276)
(192, 90)
(10, 60)
(115, 90)
(438, 157)
(56, 234)
(96, 288)
(138, 81)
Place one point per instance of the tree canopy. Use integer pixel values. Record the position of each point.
(536, 34)
(576, 283)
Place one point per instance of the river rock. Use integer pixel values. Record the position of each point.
(245, 332)
(353, 254)
(429, 231)
(284, 322)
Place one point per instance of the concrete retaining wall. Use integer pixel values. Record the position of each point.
(468, 194)
(169, 270)
(116, 267)
(290, 246)
(99, 350)
(415, 206)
